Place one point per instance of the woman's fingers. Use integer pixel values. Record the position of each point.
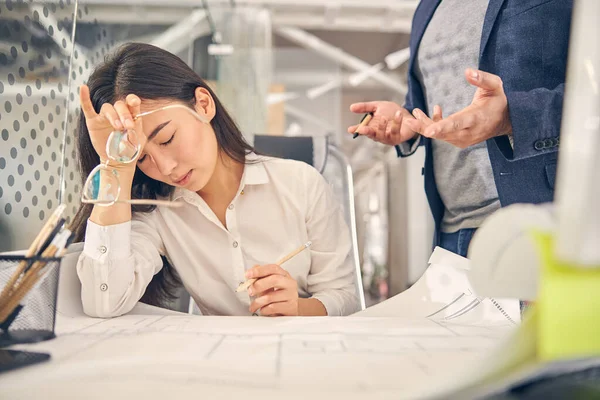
(277, 296)
(86, 103)
(124, 114)
(110, 114)
(260, 271)
(268, 283)
(134, 103)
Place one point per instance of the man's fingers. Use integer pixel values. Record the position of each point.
(352, 129)
(86, 103)
(484, 80)
(414, 125)
(393, 128)
(422, 117)
(398, 117)
(361, 108)
(463, 119)
(381, 124)
(437, 113)
(366, 130)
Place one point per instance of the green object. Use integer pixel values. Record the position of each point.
(568, 306)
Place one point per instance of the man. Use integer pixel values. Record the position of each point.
(496, 69)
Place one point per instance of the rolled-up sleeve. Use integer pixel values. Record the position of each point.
(409, 147)
(332, 278)
(116, 265)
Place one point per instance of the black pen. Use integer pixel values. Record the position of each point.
(364, 121)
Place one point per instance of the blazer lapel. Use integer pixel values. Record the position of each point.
(488, 23)
(423, 15)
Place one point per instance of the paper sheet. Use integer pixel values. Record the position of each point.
(394, 353)
(397, 352)
(221, 357)
(444, 293)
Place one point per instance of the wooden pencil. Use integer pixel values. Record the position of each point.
(364, 121)
(30, 278)
(249, 282)
(39, 239)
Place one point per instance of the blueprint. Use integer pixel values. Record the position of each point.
(249, 356)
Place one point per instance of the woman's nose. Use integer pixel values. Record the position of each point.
(165, 165)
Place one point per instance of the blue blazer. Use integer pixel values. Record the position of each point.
(525, 43)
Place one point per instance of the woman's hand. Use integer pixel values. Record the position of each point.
(275, 291)
(111, 118)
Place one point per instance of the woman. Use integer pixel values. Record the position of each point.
(237, 209)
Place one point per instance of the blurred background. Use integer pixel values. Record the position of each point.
(281, 67)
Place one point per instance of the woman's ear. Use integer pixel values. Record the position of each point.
(205, 104)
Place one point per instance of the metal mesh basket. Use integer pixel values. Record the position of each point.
(34, 319)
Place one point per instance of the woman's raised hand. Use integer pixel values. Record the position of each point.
(112, 117)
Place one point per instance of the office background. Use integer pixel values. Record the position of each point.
(280, 68)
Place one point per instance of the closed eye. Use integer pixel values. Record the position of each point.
(168, 141)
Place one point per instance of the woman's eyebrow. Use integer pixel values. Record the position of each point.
(157, 129)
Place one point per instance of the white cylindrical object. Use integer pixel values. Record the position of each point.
(505, 259)
(578, 178)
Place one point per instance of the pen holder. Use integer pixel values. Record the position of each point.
(34, 318)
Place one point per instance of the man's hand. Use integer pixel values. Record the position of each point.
(387, 125)
(485, 118)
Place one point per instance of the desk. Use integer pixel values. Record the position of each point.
(181, 356)
(387, 351)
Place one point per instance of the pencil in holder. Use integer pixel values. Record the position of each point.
(33, 318)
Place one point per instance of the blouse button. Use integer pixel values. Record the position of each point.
(235, 244)
(104, 287)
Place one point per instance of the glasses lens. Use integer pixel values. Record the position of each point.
(123, 146)
(102, 187)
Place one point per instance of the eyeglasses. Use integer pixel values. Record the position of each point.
(102, 186)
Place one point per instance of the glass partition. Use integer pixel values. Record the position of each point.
(35, 54)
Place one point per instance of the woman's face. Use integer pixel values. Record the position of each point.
(181, 150)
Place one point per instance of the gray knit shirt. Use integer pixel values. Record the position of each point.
(463, 177)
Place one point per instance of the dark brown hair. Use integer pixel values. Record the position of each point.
(154, 74)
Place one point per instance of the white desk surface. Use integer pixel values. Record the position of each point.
(161, 357)
(388, 351)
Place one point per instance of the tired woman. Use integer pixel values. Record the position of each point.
(174, 194)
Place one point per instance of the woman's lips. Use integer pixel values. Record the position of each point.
(184, 180)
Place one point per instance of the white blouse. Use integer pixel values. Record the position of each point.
(280, 205)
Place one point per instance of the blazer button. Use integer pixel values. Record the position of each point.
(548, 143)
(538, 145)
(555, 142)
